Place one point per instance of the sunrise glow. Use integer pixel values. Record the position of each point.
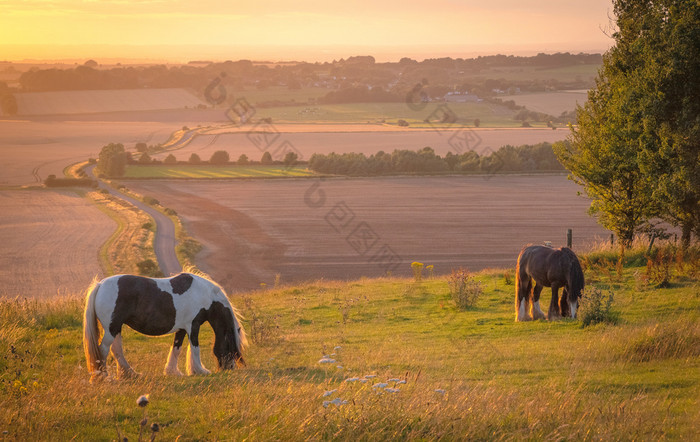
(314, 30)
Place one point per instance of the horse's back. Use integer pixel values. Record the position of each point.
(152, 306)
(544, 264)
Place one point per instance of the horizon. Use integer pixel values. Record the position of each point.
(178, 31)
(215, 54)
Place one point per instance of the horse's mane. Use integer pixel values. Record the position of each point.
(239, 317)
(576, 278)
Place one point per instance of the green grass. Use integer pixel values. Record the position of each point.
(187, 171)
(498, 379)
(491, 115)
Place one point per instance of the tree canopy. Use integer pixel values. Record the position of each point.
(637, 145)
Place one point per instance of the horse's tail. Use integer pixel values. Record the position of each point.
(91, 331)
(518, 283)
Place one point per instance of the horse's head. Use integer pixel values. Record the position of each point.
(229, 338)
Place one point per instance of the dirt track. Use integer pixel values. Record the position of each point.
(349, 228)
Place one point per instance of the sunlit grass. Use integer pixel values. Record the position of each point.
(449, 373)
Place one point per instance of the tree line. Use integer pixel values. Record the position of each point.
(387, 81)
(114, 159)
(525, 158)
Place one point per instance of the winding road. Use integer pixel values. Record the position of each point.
(164, 241)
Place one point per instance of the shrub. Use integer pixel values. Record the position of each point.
(465, 290)
(52, 181)
(417, 268)
(170, 159)
(145, 158)
(195, 159)
(594, 307)
(148, 267)
(151, 201)
(219, 157)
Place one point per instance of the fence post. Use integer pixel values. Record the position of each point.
(569, 237)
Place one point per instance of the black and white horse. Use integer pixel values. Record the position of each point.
(159, 306)
(548, 267)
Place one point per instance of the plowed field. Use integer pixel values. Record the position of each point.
(49, 242)
(307, 229)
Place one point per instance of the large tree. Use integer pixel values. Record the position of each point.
(112, 161)
(635, 150)
(666, 37)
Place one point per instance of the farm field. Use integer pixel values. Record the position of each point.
(552, 103)
(30, 151)
(491, 115)
(101, 101)
(215, 172)
(50, 242)
(305, 229)
(307, 140)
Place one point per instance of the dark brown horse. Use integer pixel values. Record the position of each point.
(548, 267)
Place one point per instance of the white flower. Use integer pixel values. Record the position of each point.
(337, 402)
(337, 347)
(439, 390)
(391, 390)
(364, 381)
(394, 380)
(326, 360)
(352, 379)
(403, 381)
(380, 385)
(328, 393)
(370, 376)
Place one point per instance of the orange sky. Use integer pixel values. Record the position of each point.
(304, 29)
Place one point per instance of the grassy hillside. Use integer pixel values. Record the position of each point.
(472, 374)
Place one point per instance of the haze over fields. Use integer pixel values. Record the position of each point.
(334, 77)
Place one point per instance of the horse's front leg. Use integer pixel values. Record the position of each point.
(537, 312)
(554, 304)
(194, 362)
(564, 308)
(522, 299)
(171, 366)
(124, 370)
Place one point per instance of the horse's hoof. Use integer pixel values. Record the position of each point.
(128, 374)
(98, 376)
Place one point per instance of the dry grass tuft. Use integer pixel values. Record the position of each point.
(678, 339)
